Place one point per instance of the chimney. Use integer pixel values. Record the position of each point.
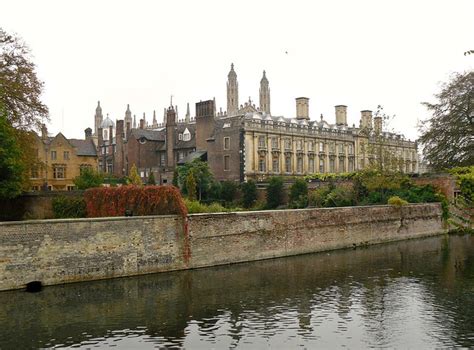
(170, 137)
(366, 119)
(44, 132)
(341, 115)
(119, 156)
(378, 125)
(142, 123)
(88, 133)
(204, 123)
(302, 108)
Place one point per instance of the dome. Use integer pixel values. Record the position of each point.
(107, 123)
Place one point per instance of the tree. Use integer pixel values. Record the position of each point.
(20, 87)
(11, 166)
(151, 179)
(249, 193)
(191, 186)
(202, 174)
(447, 137)
(228, 191)
(134, 177)
(299, 194)
(88, 178)
(275, 192)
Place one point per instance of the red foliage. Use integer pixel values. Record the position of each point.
(140, 200)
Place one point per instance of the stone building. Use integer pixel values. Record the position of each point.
(60, 160)
(249, 142)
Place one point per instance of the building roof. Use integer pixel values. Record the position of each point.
(150, 135)
(192, 156)
(84, 147)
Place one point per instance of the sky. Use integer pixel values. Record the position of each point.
(361, 54)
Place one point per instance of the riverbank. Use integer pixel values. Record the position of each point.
(73, 250)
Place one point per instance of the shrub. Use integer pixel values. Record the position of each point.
(134, 178)
(299, 194)
(249, 193)
(148, 200)
(466, 184)
(215, 191)
(191, 186)
(396, 201)
(275, 192)
(89, 178)
(316, 198)
(195, 207)
(151, 179)
(228, 191)
(69, 207)
(339, 197)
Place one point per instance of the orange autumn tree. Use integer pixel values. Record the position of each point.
(139, 200)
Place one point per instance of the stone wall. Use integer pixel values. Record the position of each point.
(445, 183)
(61, 251)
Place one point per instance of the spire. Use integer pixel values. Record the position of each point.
(134, 121)
(128, 115)
(98, 118)
(155, 123)
(188, 114)
(264, 94)
(232, 92)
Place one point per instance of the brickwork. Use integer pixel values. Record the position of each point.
(61, 251)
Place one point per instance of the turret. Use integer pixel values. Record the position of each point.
(232, 92)
(98, 118)
(264, 94)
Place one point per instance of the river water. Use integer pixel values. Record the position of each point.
(411, 294)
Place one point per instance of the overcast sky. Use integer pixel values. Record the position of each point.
(358, 53)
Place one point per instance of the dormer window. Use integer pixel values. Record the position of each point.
(180, 137)
(186, 135)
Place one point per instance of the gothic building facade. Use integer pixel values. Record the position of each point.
(249, 142)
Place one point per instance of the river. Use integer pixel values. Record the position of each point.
(410, 294)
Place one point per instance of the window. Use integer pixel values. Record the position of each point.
(180, 155)
(298, 145)
(332, 147)
(105, 135)
(34, 172)
(59, 171)
(321, 165)
(311, 165)
(310, 146)
(66, 155)
(342, 165)
(261, 165)
(186, 135)
(261, 142)
(162, 159)
(275, 143)
(332, 165)
(351, 149)
(84, 167)
(275, 165)
(70, 187)
(180, 137)
(408, 167)
(287, 144)
(321, 147)
(351, 164)
(110, 167)
(341, 148)
(299, 165)
(288, 164)
(226, 163)
(53, 155)
(226, 143)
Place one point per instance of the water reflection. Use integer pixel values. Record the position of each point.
(407, 294)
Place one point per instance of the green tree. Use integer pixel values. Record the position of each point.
(11, 166)
(228, 191)
(275, 192)
(20, 87)
(175, 180)
(191, 186)
(88, 178)
(151, 179)
(249, 193)
(447, 136)
(202, 174)
(134, 177)
(299, 194)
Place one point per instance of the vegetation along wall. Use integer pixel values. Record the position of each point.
(61, 251)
